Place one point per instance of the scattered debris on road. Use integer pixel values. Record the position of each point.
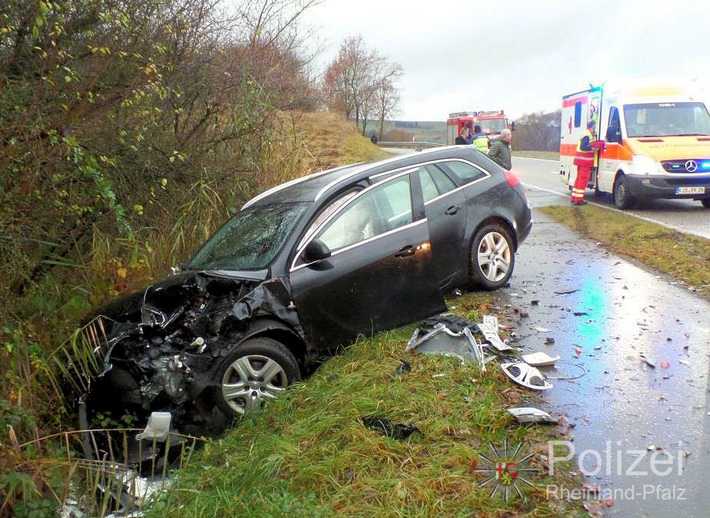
(540, 359)
(385, 427)
(526, 415)
(525, 375)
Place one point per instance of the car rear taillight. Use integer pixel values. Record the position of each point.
(512, 179)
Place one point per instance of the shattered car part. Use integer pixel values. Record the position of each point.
(540, 359)
(489, 329)
(442, 340)
(525, 375)
(158, 427)
(385, 427)
(403, 368)
(531, 415)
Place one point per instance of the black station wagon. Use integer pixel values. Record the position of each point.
(301, 270)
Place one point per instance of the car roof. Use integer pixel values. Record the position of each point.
(315, 186)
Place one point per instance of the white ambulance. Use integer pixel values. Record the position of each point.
(657, 143)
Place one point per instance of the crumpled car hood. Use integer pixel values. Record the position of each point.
(164, 343)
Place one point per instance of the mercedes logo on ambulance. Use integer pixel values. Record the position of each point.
(691, 166)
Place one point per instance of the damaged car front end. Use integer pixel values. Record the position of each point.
(167, 348)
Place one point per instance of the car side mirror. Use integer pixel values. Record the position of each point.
(512, 126)
(316, 250)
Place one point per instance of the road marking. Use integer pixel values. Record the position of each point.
(614, 209)
(540, 159)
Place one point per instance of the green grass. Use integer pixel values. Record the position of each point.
(682, 256)
(547, 155)
(308, 453)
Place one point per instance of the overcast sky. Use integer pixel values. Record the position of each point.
(521, 56)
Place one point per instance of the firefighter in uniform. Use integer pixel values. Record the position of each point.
(585, 159)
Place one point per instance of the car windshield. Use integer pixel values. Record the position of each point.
(493, 125)
(250, 240)
(666, 119)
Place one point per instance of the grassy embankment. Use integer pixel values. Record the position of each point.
(34, 324)
(546, 155)
(309, 454)
(682, 256)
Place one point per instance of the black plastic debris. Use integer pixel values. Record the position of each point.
(566, 292)
(403, 368)
(385, 427)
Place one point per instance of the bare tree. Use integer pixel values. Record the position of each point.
(387, 95)
(356, 81)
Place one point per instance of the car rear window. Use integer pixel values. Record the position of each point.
(466, 173)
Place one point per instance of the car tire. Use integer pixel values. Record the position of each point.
(622, 194)
(487, 259)
(269, 368)
(706, 203)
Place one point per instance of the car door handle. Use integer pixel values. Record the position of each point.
(406, 251)
(451, 210)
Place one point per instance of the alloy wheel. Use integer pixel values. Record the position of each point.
(252, 380)
(494, 256)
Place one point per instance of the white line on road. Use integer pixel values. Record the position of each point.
(540, 159)
(613, 209)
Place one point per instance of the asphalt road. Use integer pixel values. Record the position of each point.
(684, 215)
(605, 314)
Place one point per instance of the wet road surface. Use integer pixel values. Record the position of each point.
(621, 407)
(684, 215)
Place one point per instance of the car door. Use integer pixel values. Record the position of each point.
(606, 172)
(446, 215)
(380, 272)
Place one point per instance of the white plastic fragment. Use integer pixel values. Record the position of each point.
(158, 427)
(489, 329)
(531, 415)
(525, 375)
(540, 359)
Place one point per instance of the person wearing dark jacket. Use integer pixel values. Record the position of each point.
(464, 137)
(500, 150)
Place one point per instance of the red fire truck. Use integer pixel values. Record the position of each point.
(491, 122)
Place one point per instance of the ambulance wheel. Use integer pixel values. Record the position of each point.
(706, 203)
(622, 193)
(492, 257)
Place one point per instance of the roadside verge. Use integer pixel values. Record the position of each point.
(683, 256)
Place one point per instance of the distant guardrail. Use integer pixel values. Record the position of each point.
(407, 144)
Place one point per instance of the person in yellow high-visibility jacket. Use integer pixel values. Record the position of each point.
(480, 139)
(585, 159)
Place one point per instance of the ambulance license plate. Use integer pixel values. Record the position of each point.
(690, 190)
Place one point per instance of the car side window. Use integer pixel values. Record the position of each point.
(434, 182)
(443, 183)
(613, 132)
(429, 189)
(464, 172)
(327, 212)
(384, 208)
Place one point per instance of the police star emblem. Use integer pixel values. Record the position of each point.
(507, 470)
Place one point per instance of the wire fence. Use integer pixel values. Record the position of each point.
(101, 472)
